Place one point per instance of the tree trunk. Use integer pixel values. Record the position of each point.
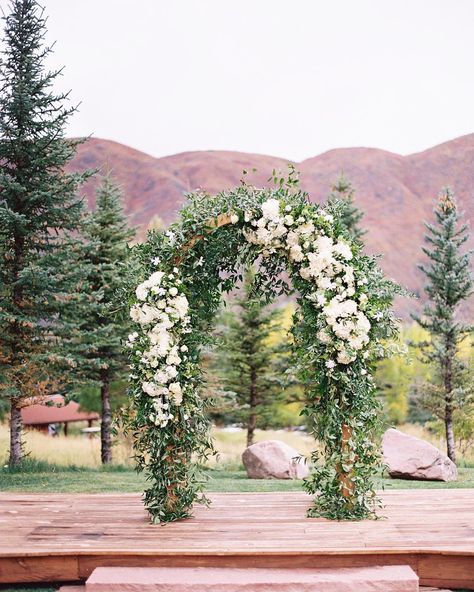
(448, 400)
(16, 426)
(448, 423)
(106, 425)
(252, 419)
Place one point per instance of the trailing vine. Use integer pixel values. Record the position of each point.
(342, 322)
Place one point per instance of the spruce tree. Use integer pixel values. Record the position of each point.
(39, 212)
(350, 215)
(448, 283)
(103, 333)
(249, 366)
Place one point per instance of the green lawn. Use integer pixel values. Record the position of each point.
(49, 479)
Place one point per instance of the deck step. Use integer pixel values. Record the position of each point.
(393, 578)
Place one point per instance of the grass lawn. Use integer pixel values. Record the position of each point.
(39, 478)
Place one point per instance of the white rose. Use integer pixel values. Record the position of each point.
(344, 358)
(155, 279)
(176, 391)
(330, 364)
(142, 291)
(307, 228)
(305, 273)
(184, 348)
(234, 219)
(173, 291)
(292, 238)
(296, 253)
(289, 220)
(152, 389)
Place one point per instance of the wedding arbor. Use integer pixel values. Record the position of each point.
(340, 328)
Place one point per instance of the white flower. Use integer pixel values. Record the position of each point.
(152, 389)
(292, 238)
(248, 216)
(155, 261)
(132, 336)
(363, 371)
(296, 253)
(234, 219)
(305, 273)
(307, 228)
(155, 279)
(173, 291)
(144, 314)
(171, 236)
(171, 371)
(176, 391)
(183, 348)
(323, 337)
(142, 291)
(173, 357)
(321, 299)
(271, 209)
(330, 364)
(180, 305)
(344, 358)
(289, 220)
(344, 250)
(288, 208)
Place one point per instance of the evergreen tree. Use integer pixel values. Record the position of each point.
(449, 282)
(103, 333)
(351, 215)
(249, 366)
(39, 210)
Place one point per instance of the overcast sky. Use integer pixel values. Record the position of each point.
(291, 78)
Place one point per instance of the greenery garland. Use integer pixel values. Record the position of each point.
(340, 329)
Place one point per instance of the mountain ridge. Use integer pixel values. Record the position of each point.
(396, 192)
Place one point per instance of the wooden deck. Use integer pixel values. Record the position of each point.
(63, 537)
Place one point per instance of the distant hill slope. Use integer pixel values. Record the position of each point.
(396, 192)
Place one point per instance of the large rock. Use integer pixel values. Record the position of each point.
(273, 459)
(408, 457)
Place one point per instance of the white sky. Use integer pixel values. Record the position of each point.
(291, 78)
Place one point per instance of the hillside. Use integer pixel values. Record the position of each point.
(396, 192)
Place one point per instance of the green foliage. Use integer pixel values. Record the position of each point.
(199, 258)
(350, 215)
(40, 215)
(395, 375)
(101, 335)
(248, 365)
(449, 283)
(106, 321)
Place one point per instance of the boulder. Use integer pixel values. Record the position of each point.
(408, 457)
(273, 459)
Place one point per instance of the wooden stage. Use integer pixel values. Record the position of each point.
(63, 537)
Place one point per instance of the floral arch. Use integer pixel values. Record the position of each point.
(340, 327)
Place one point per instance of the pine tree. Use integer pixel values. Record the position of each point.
(39, 212)
(250, 367)
(448, 283)
(350, 215)
(102, 335)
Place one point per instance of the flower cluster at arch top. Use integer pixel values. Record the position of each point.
(323, 261)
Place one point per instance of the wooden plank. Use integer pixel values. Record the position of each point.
(431, 530)
(33, 569)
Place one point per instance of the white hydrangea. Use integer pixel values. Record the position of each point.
(271, 209)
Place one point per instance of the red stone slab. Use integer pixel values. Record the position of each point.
(393, 578)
